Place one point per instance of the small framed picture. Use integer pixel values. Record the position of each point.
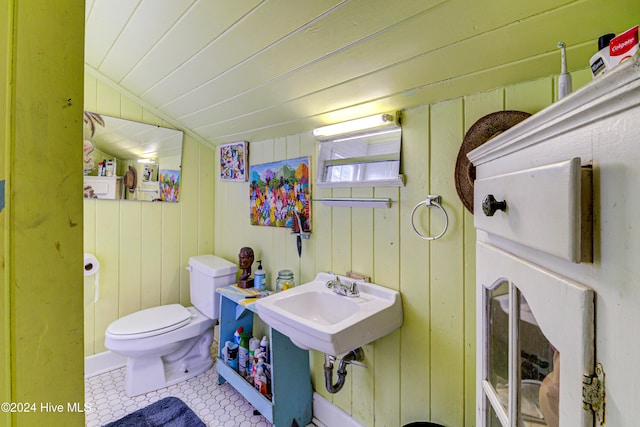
(233, 161)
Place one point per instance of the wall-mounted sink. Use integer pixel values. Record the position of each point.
(314, 317)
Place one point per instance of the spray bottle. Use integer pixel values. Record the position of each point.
(564, 80)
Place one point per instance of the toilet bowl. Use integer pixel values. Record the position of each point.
(168, 344)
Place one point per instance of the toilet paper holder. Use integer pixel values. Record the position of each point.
(92, 267)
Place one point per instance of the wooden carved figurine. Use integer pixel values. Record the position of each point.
(245, 260)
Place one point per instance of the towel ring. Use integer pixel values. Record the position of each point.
(431, 202)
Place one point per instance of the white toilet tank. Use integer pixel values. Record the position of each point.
(207, 273)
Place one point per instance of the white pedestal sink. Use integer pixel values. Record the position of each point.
(314, 317)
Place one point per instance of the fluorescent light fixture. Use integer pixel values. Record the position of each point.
(366, 135)
(146, 161)
(353, 126)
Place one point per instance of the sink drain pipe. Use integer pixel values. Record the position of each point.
(356, 355)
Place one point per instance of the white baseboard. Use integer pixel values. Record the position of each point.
(102, 362)
(326, 414)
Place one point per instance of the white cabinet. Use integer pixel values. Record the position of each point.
(531, 323)
(513, 204)
(105, 187)
(558, 288)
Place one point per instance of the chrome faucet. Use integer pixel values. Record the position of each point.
(348, 290)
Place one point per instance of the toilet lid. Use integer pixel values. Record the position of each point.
(151, 321)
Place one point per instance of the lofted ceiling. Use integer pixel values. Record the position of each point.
(235, 70)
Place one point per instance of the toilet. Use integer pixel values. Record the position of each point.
(171, 343)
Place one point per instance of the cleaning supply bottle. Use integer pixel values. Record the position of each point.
(564, 80)
(600, 61)
(260, 381)
(236, 335)
(254, 351)
(243, 354)
(264, 348)
(259, 277)
(254, 344)
(230, 354)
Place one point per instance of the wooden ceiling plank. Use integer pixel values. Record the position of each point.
(204, 22)
(245, 40)
(148, 24)
(350, 24)
(254, 77)
(88, 6)
(467, 58)
(106, 20)
(389, 49)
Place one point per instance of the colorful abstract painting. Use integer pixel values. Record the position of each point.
(277, 190)
(169, 181)
(233, 161)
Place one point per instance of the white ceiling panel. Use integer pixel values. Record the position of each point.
(87, 9)
(318, 41)
(245, 40)
(199, 26)
(249, 69)
(104, 24)
(149, 23)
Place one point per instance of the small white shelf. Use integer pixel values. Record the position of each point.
(105, 187)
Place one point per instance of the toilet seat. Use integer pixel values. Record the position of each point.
(149, 322)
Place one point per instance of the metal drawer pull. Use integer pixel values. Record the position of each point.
(431, 202)
(490, 205)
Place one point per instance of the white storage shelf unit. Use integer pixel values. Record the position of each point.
(291, 388)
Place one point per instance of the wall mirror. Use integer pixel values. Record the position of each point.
(127, 160)
(362, 157)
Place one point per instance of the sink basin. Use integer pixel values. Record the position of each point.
(316, 318)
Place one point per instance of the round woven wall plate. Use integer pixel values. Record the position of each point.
(480, 132)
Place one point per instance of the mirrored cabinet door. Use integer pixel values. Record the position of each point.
(531, 322)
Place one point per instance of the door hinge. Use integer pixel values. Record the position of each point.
(593, 394)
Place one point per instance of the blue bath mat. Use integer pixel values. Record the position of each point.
(168, 412)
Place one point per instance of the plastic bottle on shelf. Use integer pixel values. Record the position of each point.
(599, 62)
(259, 277)
(254, 344)
(264, 348)
(230, 354)
(236, 335)
(254, 350)
(243, 354)
(260, 381)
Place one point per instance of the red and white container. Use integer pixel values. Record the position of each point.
(623, 46)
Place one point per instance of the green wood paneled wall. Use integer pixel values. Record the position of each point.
(143, 247)
(6, 55)
(423, 371)
(41, 358)
(426, 369)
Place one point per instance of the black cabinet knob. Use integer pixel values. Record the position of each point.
(490, 205)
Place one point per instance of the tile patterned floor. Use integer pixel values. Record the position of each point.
(216, 405)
